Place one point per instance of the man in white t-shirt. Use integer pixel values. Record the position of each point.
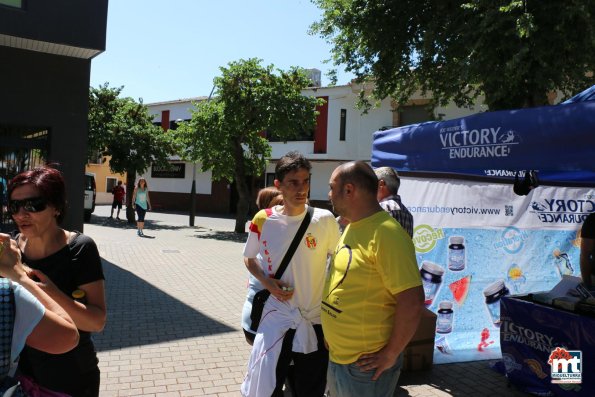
(290, 329)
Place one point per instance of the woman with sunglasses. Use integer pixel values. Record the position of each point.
(29, 316)
(61, 262)
(141, 203)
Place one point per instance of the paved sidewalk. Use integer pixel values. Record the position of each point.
(174, 304)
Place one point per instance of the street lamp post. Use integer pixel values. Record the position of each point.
(193, 195)
(193, 188)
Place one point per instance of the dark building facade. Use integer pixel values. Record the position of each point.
(46, 49)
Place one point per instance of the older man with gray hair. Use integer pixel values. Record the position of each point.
(390, 201)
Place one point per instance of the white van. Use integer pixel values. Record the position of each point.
(90, 194)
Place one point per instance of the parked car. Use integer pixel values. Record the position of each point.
(90, 194)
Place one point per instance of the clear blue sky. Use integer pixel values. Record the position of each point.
(167, 50)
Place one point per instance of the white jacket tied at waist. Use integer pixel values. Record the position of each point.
(277, 318)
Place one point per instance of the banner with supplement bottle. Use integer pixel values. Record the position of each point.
(476, 242)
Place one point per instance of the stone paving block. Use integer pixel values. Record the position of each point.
(211, 377)
(133, 392)
(142, 384)
(220, 371)
(130, 379)
(153, 377)
(202, 384)
(165, 382)
(165, 370)
(198, 372)
(130, 367)
(215, 390)
(154, 390)
(141, 372)
(178, 387)
(106, 369)
(109, 381)
(225, 382)
(117, 386)
(192, 393)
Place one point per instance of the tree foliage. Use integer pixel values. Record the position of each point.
(123, 129)
(227, 133)
(514, 52)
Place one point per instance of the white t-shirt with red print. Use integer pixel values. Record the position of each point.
(271, 233)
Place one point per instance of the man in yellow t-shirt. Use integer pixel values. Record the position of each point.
(372, 299)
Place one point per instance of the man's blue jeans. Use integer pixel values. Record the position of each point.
(347, 380)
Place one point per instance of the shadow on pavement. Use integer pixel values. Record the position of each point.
(460, 380)
(155, 224)
(161, 225)
(105, 221)
(204, 233)
(147, 315)
(123, 223)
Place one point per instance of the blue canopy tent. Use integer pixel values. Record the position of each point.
(557, 141)
(517, 243)
(586, 95)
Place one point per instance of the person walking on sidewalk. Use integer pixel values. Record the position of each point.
(290, 328)
(373, 299)
(141, 202)
(118, 192)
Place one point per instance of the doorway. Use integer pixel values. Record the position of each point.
(21, 148)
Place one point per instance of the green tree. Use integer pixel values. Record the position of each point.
(123, 129)
(514, 52)
(227, 134)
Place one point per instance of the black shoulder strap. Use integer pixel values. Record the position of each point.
(7, 313)
(295, 242)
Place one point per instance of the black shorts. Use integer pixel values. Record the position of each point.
(117, 203)
(140, 212)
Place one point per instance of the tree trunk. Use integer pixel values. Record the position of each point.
(130, 178)
(243, 192)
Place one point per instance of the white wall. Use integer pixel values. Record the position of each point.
(321, 173)
(359, 127)
(279, 149)
(177, 110)
(357, 145)
(104, 198)
(451, 111)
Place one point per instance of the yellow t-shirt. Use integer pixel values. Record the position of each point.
(374, 261)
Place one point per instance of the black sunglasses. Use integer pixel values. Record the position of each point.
(32, 204)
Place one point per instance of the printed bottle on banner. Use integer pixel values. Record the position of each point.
(445, 317)
(431, 278)
(456, 253)
(493, 293)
